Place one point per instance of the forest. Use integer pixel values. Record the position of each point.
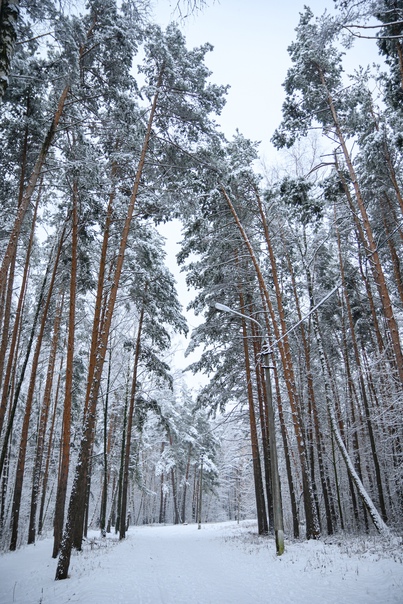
(108, 129)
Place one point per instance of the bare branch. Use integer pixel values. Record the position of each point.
(358, 35)
(48, 33)
(374, 26)
(184, 8)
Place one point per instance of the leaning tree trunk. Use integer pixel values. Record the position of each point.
(6, 313)
(369, 242)
(46, 145)
(99, 305)
(397, 272)
(312, 522)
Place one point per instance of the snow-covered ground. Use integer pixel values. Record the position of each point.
(222, 563)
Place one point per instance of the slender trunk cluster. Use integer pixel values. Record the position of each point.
(312, 529)
(368, 240)
(100, 335)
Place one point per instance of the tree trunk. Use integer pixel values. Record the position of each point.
(351, 398)
(102, 515)
(185, 484)
(394, 257)
(283, 427)
(7, 316)
(49, 452)
(175, 497)
(312, 522)
(161, 519)
(263, 415)
(122, 455)
(11, 272)
(125, 483)
(68, 389)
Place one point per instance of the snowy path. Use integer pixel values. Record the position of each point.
(220, 564)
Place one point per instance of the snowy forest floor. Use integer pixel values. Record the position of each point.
(223, 563)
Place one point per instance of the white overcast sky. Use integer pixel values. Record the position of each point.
(250, 39)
